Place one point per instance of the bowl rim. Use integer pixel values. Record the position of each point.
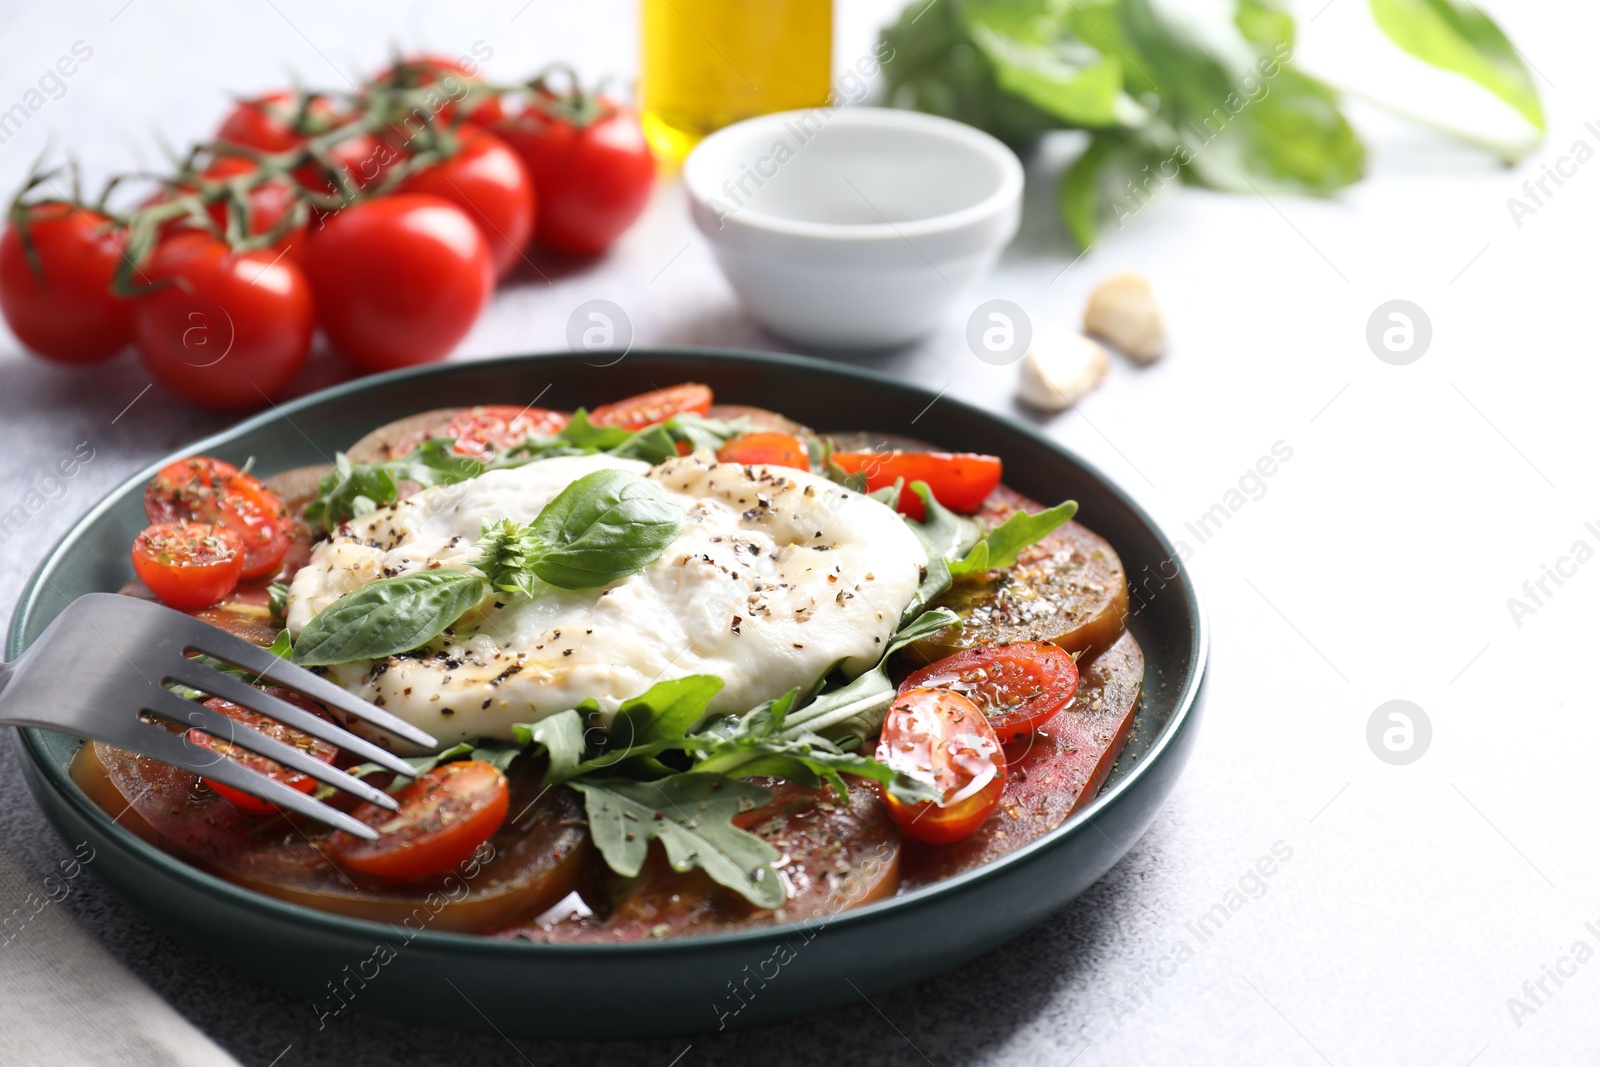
(958, 135)
(55, 778)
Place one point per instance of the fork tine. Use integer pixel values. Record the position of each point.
(159, 744)
(197, 674)
(218, 725)
(276, 669)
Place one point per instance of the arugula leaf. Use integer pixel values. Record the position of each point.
(665, 711)
(691, 815)
(351, 490)
(562, 738)
(659, 443)
(601, 528)
(1459, 38)
(1000, 546)
(387, 617)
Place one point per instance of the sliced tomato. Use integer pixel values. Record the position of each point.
(311, 746)
(200, 489)
(941, 737)
(961, 481)
(444, 816)
(481, 432)
(659, 405)
(1018, 687)
(188, 565)
(769, 447)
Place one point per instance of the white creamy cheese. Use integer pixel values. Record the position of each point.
(776, 576)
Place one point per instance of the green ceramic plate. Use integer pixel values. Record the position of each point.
(673, 985)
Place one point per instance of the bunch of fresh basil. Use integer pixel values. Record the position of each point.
(1199, 91)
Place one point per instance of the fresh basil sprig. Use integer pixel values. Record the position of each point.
(388, 617)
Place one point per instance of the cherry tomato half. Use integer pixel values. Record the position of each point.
(961, 481)
(769, 447)
(487, 181)
(311, 746)
(231, 329)
(1018, 687)
(444, 816)
(188, 565)
(67, 313)
(648, 409)
(200, 489)
(942, 737)
(481, 432)
(399, 279)
(593, 176)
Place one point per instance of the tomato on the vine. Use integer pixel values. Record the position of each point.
(201, 489)
(485, 179)
(188, 565)
(399, 279)
(941, 738)
(590, 164)
(226, 329)
(453, 80)
(224, 749)
(444, 816)
(266, 204)
(1018, 687)
(67, 311)
(658, 405)
(278, 121)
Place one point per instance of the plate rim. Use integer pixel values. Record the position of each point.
(56, 779)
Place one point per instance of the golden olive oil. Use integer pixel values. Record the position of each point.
(708, 63)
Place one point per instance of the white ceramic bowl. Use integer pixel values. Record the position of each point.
(857, 227)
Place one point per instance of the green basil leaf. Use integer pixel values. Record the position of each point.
(508, 549)
(387, 617)
(1038, 56)
(1000, 546)
(603, 527)
(1457, 37)
(691, 815)
(277, 599)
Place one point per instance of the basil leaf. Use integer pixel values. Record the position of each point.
(1038, 57)
(1458, 37)
(387, 617)
(601, 528)
(1000, 546)
(277, 599)
(562, 738)
(691, 815)
(508, 549)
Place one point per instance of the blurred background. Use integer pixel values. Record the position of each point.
(1430, 486)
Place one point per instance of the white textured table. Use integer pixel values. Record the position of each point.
(1406, 904)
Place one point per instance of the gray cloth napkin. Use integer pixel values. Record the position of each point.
(64, 1000)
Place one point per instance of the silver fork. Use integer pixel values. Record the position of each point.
(100, 671)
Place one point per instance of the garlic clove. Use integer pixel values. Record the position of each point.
(1060, 369)
(1123, 310)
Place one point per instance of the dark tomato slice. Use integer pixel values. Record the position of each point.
(481, 432)
(766, 446)
(941, 737)
(199, 489)
(188, 565)
(1018, 687)
(444, 816)
(961, 481)
(648, 409)
(312, 746)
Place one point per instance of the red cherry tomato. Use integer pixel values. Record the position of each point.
(487, 181)
(444, 816)
(267, 205)
(188, 565)
(942, 738)
(961, 481)
(200, 489)
(1018, 687)
(769, 447)
(593, 176)
(66, 313)
(481, 432)
(230, 329)
(659, 405)
(399, 279)
(311, 746)
(274, 122)
(453, 80)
